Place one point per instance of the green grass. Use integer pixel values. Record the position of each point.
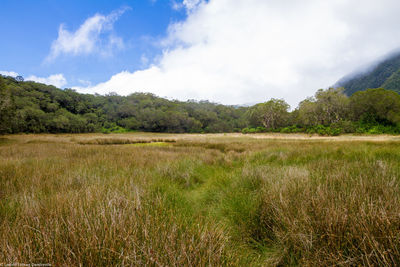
(120, 141)
(199, 201)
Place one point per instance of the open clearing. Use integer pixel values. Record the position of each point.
(199, 200)
(74, 138)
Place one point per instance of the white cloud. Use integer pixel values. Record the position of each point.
(244, 51)
(189, 5)
(8, 73)
(95, 35)
(58, 80)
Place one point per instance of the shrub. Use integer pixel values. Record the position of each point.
(324, 130)
(114, 129)
(291, 129)
(255, 130)
(346, 126)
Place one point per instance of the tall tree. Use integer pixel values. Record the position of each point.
(376, 105)
(332, 104)
(271, 114)
(326, 107)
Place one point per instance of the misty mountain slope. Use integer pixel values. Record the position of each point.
(386, 75)
(393, 82)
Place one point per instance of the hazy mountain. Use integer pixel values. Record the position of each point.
(385, 74)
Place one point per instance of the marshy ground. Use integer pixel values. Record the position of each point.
(199, 200)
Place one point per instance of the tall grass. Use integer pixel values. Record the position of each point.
(200, 201)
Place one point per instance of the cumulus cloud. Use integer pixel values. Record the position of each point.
(58, 80)
(95, 35)
(246, 51)
(9, 73)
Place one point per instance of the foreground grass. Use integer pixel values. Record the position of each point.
(199, 200)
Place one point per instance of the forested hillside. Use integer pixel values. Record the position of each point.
(386, 75)
(34, 107)
(29, 107)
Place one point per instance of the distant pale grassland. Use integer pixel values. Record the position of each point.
(199, 200)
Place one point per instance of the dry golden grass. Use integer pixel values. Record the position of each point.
(200, 200)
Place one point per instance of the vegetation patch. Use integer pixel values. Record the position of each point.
(201, 202)
(4, 141)
(39, 141)
(156, 144)
(223, 147)
(118, 141)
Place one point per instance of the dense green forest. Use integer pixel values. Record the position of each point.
(331, 112)
(34, 107)
(29, 107)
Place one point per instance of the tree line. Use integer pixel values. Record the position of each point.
(29, 107)
(330, 112)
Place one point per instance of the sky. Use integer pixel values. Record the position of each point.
(225, 51)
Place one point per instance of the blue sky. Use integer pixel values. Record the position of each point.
(29, 28)
(226, 51)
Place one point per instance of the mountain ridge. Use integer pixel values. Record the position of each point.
(385, 74)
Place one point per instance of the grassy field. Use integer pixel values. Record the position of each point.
(200, 200)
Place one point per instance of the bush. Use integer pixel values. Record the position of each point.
(346, 126)
(375, 128)
(324, 130)
(261, 130)
(292, 129)
(254, 130)
(113, 129)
